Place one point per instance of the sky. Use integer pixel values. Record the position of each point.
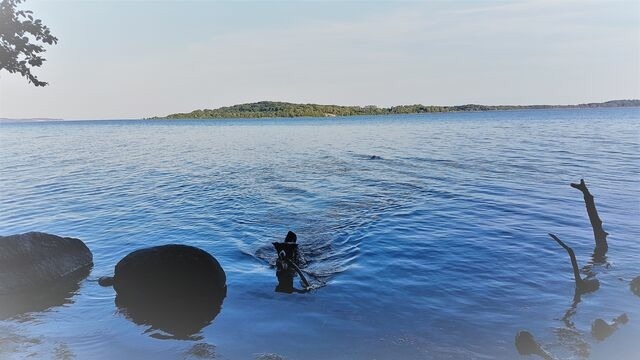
(134, 59)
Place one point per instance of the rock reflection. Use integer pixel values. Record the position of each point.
(43, 297)
(176, 318)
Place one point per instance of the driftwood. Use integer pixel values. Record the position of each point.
(582, 285)
(600, 328)
(599, 235)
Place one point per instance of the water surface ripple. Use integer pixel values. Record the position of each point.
(426, 235)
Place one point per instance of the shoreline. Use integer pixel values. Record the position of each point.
(272, 109)
(524, 108)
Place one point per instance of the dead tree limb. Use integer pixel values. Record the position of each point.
(582, 285)
(599, 234)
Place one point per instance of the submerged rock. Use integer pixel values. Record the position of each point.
(201, 351)
(39, 271)
(526, 344)
(635, 285)
(601, 330)
(178, 289)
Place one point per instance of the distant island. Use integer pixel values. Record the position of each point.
(272, 109)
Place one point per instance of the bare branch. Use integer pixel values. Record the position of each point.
(599, 235)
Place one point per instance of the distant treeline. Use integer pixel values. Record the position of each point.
(264, 109)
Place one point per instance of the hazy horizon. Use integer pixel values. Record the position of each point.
(121, 59)
(161, 115)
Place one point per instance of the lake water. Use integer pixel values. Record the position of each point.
(438, 249)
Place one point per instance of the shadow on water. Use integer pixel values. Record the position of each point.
(43, 297)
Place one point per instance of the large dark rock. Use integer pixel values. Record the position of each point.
(34, 259)
(178, 289)
(38, 271)
(170, 272)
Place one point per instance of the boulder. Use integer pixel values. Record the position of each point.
(177, 289)
(32, 260)
(170, 272)
(39, 271)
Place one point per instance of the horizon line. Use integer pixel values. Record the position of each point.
(47, 119)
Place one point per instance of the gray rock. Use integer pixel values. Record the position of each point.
(39, 271)
(32, 260)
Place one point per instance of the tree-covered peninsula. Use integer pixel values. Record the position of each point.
(271, 109)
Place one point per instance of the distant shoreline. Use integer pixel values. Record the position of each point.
(283, 110)
(29, 119)
(272, 109)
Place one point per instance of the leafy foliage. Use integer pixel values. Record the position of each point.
(20, 34)
(268, 109)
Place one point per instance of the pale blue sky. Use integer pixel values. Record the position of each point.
(126, 59)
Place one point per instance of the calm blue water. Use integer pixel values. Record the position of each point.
(438, 250)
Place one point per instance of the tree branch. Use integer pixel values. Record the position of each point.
(582, 285)
(599, 235)
(572, 255)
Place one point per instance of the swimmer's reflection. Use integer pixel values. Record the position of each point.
(285, 280)
(43, 297)
(177, 318)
